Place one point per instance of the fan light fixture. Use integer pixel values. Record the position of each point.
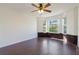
(40, 11)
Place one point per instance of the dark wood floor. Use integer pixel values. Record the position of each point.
(40, 46)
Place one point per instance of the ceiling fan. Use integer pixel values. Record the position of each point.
(42, 8)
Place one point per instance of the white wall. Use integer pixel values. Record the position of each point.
(78, 26)
(15, 26)
(40, 21)
(72, 27)
(76, 21)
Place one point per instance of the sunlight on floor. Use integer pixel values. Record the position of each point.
(64, 40)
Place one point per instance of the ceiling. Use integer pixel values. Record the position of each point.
(56, 8)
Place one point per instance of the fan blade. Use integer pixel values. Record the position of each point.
(34, 10)
(34, 5)
(47, 10)
(47, 5)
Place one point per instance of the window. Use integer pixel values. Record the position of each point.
(55, 26)
(65, 27)
(44, 26)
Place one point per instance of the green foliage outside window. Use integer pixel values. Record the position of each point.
(53, 28)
